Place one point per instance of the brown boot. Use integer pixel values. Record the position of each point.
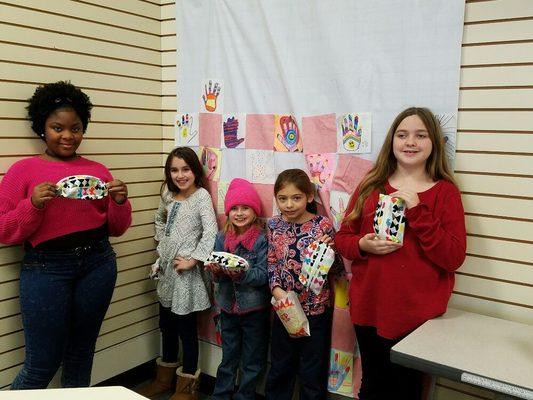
(163, 380)
(186, 385)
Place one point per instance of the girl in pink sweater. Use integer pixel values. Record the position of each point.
(69, 268)
(397, 287)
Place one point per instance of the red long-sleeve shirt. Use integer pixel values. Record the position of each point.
(399, 291)
(20, 221)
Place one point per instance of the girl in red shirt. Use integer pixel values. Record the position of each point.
(397, 287)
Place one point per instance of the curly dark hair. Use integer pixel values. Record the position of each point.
(52, 96)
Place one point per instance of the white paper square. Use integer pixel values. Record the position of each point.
(283, 161)
(260, 166)
(186, 131)
(338, 201)
(233, 164)
(354, 133)
(222, 189)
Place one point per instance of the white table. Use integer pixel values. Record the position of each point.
(488, 352)
(91, 393)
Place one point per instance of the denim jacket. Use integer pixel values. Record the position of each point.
(251, 292)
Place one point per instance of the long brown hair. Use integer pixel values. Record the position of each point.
(436, 165)
(302, 182)
(191, 158)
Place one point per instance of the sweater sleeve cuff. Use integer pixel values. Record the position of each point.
(414, 213)
(118, 217)
(29, 213)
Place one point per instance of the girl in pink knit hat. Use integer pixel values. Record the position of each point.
(243, 298)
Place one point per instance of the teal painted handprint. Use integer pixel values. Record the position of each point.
(338, 372)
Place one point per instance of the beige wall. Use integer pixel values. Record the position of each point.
(124, 55)
(112, 50)
(495, 167)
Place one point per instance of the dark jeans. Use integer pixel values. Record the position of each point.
(64, 296)
(308, 357)
(174, 327)
(383, 379)
(244, 340)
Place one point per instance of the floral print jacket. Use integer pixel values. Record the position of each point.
(286, 243)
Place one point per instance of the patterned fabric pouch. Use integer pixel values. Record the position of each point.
(81, 187)
(318, 259)
(389, 220)
(292, 315)
(227, 261)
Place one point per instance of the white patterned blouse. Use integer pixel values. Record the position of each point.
(184, 228)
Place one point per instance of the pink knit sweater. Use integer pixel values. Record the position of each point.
(20, 221)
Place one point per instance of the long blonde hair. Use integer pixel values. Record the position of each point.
(436, 165)
(258, 222)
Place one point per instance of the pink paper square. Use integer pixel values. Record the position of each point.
(212, 188)
(323, 205)
(319, 134)
(209, 127)
(206, 326)
(266, 194)
(221, 221)
(342, 335)
(350, 171)
(259, 131)
(321, 168)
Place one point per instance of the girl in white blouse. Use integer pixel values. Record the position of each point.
(186, 227)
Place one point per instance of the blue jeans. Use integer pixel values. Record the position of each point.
(245, 341)
(64, 295)
(307, 357)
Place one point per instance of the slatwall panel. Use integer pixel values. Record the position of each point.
(168, 61)
(494, 164)
(112, 50)
(494, 167)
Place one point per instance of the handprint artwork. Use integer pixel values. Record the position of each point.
(210, 159)
(351, 132)
(321, 168)
(186, 128)
(286, 134)
(448, 124)
(354, 132)
(212, 91)
(337, 205)
(221, 195)
(260, 166)
(233, 125)
(340, 368)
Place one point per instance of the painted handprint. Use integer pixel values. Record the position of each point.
(210, 162)
(338, 214)
(351, 132)
(338, 371)
(210, 96)
(320, 170)
(231, 126)
(290, 135)
(185, 129)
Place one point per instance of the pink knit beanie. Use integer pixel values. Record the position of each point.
(242, 193)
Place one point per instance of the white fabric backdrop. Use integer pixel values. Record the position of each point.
(309, 57)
